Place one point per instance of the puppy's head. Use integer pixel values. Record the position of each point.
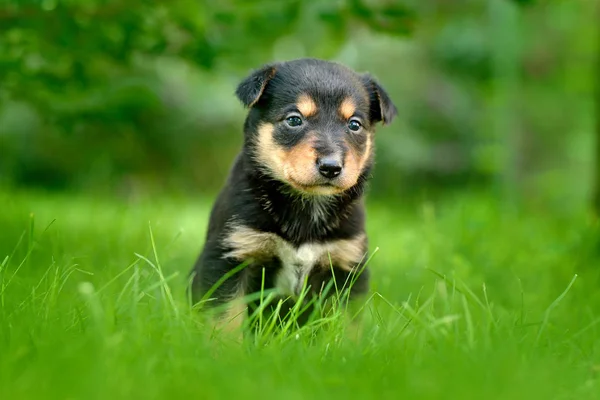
(311, 123)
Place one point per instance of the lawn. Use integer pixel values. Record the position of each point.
(470, 300)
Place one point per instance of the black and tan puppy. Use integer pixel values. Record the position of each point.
(292, 204)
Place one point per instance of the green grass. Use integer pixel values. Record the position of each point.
(470, 301)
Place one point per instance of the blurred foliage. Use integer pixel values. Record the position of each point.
(111, 95)
(97, 85)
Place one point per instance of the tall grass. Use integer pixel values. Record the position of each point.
(467, 302)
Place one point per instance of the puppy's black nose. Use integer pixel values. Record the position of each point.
(329, 167)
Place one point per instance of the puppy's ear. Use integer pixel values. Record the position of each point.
(382, 107)
(252, 87)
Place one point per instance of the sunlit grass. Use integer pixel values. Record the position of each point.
(468, 301)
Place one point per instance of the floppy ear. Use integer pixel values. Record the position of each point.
(252, 87)
(382, 107)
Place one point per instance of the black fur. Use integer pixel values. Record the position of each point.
(251, 88)
(382, 107)
(254, 196)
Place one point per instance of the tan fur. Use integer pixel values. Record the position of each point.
(299, 164)
(267, 152)
(230, 323)
(306, 105)
(233, 318)
(347, 108)
(248, 243)
(354, 319)
(354, 164)
(344, 254)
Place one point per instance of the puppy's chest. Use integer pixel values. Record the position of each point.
(295, 262)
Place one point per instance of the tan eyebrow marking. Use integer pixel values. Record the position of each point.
(347, 108)
(306, 105)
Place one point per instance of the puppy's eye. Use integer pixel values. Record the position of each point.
(354, 125)
(293, 121)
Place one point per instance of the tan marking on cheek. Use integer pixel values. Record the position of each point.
(306, 105)
(344, 254)
(246, 243)
(367, 153)
(347, 108)
(354, 163)
(267, 152)
(299, 163)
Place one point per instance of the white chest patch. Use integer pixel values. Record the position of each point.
(296, 264)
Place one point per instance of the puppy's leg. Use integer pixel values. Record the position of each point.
(229, 323)
(354, 303)
(348, 294)
(354, 319)
(220, 285)
(357, 303)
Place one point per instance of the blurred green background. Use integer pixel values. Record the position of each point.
(134, 98)
(118, 124)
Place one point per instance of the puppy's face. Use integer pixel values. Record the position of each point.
(311, 123)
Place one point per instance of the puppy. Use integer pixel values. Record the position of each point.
(292, 208)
